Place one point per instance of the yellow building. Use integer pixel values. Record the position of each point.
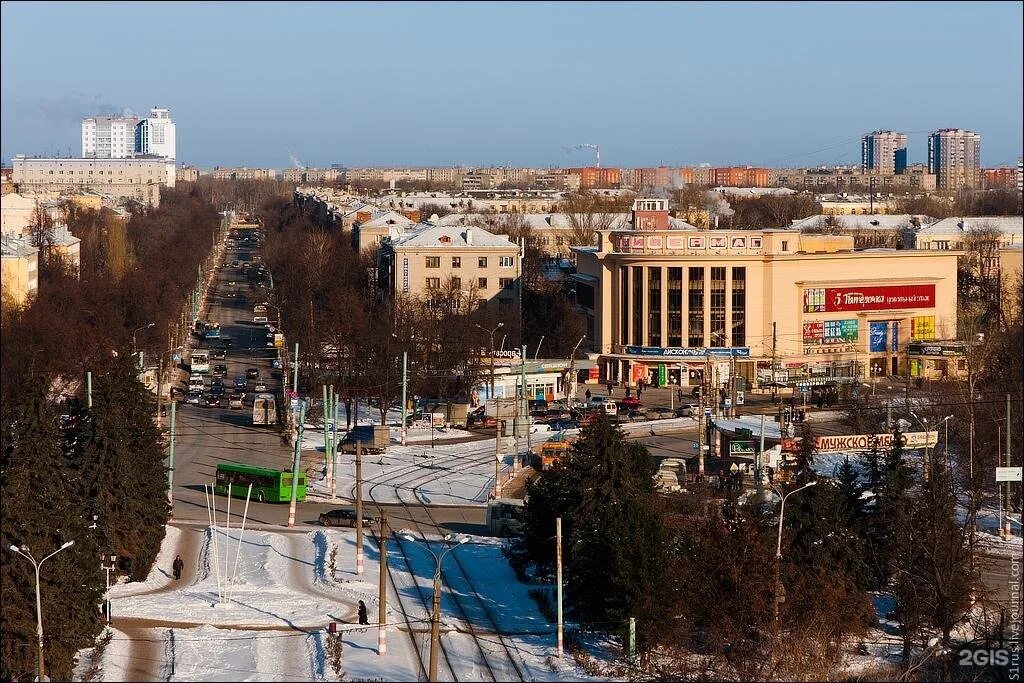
(20, 269)
(768, 305)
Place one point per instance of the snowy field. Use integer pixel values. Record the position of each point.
(271, 620)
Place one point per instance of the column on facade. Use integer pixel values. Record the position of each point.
(645, 323)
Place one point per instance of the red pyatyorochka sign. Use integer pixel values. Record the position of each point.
(879, 298)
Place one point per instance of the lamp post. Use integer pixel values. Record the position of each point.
(435, 614)
(134, 351)
(27, 554)
(491, 333)
(778, 550)
(159, 381)
(924, 425)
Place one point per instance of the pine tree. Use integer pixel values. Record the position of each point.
(43, 506)
(617, 543)
(850, 492)
(805, 456)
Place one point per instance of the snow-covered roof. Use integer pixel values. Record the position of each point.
(545, 221)
(383, 219)
(448, 236)
(1008, 225)
(16, 246)
(869, 222)
(754, 191)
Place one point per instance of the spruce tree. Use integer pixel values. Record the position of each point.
(43, 506)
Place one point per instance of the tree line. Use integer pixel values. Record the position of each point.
(70, 472)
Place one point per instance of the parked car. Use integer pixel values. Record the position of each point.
(220, 370)
(538, 427)
(252, 373)
(219, 354)
(687, 411)
(241, 382)
(261, 385)
(193, 397)
(629, 403)
(632, 416)
(559, 425)
(344, 517)
(660, 413)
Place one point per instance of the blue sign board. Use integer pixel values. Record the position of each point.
(878, 333)
(739, 352)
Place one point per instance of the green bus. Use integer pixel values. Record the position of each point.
(268, 485)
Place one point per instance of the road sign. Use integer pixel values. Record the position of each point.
(740, 398)
(707, 412)
(695, 446)
(804, 390)
(1008, 474)
(330, 427)
(728, 403)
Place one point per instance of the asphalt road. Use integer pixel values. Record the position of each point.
(207, 436)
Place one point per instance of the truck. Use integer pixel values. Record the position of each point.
(264, 410)
(373, 439)
(455, 414)
(505, 516)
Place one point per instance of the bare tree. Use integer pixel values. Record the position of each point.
(587, 213)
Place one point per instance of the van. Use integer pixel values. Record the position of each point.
(195, 382)
(603, 403)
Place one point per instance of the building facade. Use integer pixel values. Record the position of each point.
(1003, 178)
(434, 262)
(155, 135)
(668, 306)
(19, 269)
(954, 158)
(883, 152)
(109, 137)
(188, 174)
(592, 177)
(139, 179)
(741, 176)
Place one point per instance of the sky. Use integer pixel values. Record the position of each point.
(440, 84)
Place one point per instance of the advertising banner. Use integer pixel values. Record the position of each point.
(836, 443)
(880, 298)
(922, 328)
(840, 331)
(738, 352)
(879, 332)
(813, 332)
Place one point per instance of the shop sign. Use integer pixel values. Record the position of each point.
(840, 331)
(741, 448)
(922, 328)
(835, 443)
(878, 333)
(813, 332)
(878, 298)
(916, 349)
(737, 352)
(405, 275)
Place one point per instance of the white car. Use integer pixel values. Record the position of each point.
(538, 427)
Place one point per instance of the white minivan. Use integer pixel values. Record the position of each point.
(605, 403)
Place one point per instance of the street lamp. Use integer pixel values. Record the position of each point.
(778, 548)
(491, 333)
(924, 425)
(435, 615)
(134, 351)
(27, 554)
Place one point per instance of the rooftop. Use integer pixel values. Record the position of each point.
(426, 235)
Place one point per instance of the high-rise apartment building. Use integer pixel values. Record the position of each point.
(883, 151)
(954, 157)
(155, 134)
(108, 137)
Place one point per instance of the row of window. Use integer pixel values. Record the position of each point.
(481, 262)
(481, 282)
(151, 172)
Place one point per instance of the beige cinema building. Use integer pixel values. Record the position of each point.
(771, 306)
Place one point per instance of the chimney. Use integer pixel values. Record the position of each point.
(469, 236)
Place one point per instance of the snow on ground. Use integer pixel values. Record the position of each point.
(445, 474)
(289, 588)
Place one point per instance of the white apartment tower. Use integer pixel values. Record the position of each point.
(108, 137)
(155, 134)
(883, 151)
(954, 156)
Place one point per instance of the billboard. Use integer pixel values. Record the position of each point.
(878, 298)
(837, 443)
(839, 331)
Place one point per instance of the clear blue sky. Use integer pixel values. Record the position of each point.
(439, 84)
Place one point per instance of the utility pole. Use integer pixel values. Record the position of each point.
(558, 580)
(359, 508)
(295, 463)
(88, 390)
(775, 341)
(295, 371)
(524, 407)
(170, 463)
(632, 641)
(1006, 498)
(732, 384)
(405, 389)
(759, 464)
(382, 589)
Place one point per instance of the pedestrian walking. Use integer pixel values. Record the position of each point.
(178, 565)
(679, 395)
(610, 388)
(587, 394)
(628, 390)
(363, 620)
(639, 390)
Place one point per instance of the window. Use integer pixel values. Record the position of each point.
(654, 307)
(481, 262)
(739, 306)
(718, 338)
(623, 304)
(638, 306)
(481, 282)
(785, 245)
(456, 283)
(675, 307)
(456, 261)
(433, 282)
(505, 282)
(505, 262)
(695, 304)
(433, 262)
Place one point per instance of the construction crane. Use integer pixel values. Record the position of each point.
(596, 148)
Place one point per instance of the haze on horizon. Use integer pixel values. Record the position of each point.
(771, 84)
